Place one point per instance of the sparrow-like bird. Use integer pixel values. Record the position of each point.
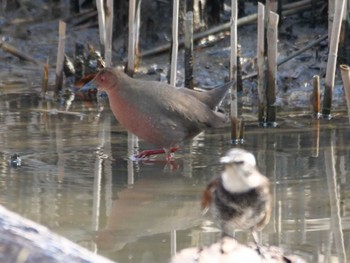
(239, 198)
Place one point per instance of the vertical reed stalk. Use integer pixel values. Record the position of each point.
(315, 139)
(345, 74)
(233, 73)
(137, 33)
(331, 9)
(101, 23)
(332, 59)
(131, 40)
(271, 72)
(239, 70)
(109, 32)
(188, 40)
(334, 198)
(60, 57)
(175, 43)
(273, 5)
(260, 62)
(241, 130)
(45, 81)
(316, 96)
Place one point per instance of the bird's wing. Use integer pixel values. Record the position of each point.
(208, 194)
(266, 218)
(171, 109)
(193, 111)
(211, 97)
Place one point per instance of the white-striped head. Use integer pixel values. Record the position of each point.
(240, 174)
(238, 156)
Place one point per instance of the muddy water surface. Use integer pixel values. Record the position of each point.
(77, 180)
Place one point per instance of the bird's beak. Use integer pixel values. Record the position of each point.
(88, 86)
(225, 159)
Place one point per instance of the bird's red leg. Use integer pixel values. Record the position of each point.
(169, 156)
(147, 153)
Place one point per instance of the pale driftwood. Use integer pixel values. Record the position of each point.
(345, 74)
(22, 240)
(175, 43)
(108, 32)
(226, 26)
(60, 56)
(261, 61)
(230, 251)
(271, 71)
(332, 59)
(233, 73)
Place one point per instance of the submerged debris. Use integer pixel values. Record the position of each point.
(15, 161)
(230, 250)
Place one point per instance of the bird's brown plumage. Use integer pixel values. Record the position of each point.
(158, 112)
(240, 197)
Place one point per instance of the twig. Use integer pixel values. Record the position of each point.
(226, 26)
(297, 4)
(17, 53)
(297, 53)
(286, 59)
(81, 18)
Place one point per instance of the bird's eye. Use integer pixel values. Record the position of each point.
(239, 162)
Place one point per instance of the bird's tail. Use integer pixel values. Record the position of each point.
(213, 97)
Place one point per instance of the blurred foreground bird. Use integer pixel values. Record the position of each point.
(157, 112)
(239, 198)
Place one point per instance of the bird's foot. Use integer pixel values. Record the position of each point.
(147, 153)
(259, 249)
(170, 153)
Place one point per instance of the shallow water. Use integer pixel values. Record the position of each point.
(77, 180)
